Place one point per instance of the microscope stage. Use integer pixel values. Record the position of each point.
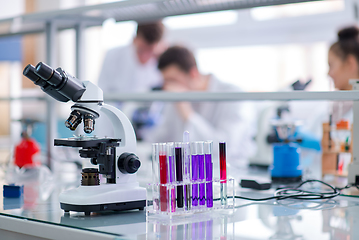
(85, 142)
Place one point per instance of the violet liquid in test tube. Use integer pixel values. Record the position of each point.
(171, 176)
(201, 175)
(209, 172)
(179, 173)
(155, 175)
(163, 176)
(223, 172)
(194, 174)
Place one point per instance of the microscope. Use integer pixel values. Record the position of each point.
(115, 157)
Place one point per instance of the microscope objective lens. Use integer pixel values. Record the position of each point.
(89, 123)
(74, 120)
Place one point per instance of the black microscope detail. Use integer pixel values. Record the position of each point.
(128, 163)
(101, 151)
(57, 83)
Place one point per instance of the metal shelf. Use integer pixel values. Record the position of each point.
(138, 10)
(217, 96)
(235, 96)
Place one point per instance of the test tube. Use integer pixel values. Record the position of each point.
(209, 172)
(186, 169)
(194, 174)
(201, 176)
(187, 174)
(155, 174)
(179, 173)
(223, 172)
(171, 176)
(163, 176)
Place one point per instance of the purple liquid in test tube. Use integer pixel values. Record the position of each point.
(194, 174)
(201, 177)
(171, 175)
(209, 172)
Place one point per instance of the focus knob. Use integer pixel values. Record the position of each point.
(128, 163)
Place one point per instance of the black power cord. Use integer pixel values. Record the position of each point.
(297, 193)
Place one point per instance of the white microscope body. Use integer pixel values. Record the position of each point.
(115, 156)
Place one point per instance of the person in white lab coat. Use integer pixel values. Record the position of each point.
(343, 60)
(217, 121)
(133, 68)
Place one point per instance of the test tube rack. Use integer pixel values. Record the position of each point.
(166, 205)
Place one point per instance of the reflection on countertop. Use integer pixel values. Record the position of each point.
(288, 219)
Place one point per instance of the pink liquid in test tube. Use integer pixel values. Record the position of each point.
(223, 172)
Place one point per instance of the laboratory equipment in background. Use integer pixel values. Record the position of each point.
(286, 153)
(27, 147)
(115, 156)
(266, 135)
(337, 148)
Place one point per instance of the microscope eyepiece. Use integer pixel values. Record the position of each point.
(44, 71)
(30, 73)
(48, 74)
(57, 83)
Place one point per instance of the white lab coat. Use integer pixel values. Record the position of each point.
(122, 72)
(217, 121)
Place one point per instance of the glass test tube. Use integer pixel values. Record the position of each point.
(186, 169)
(187, 174)
(201, 175)
(171, 175)
(223, 172)
(163, 176)
(194, 173)
(209, 172)
(155, 174)
(179, 173)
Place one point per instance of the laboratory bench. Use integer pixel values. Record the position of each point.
(37, 215)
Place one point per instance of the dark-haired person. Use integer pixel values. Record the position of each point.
(217, 121)
(133, 68)
(343, 60)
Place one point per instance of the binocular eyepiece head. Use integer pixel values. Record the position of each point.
(56, 83)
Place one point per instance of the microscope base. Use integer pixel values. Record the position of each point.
(120, 206)
(103, 197)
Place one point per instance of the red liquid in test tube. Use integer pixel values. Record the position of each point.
(163, 177)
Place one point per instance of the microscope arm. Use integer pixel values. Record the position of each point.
(122, 130)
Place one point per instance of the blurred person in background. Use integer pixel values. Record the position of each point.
(217, 121)
(343, 60)
(133, 68)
